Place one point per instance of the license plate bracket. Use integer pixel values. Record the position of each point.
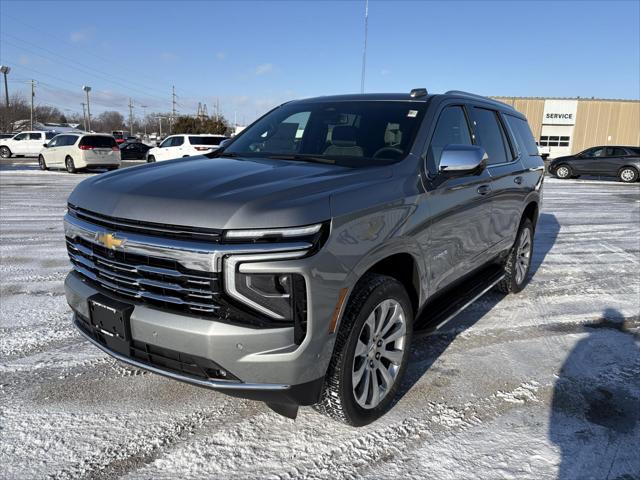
(111, 318)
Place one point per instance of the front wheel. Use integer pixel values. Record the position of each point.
(628, 175)
(71, 167)
(563, 171)
(5, 152)
(516, 267)
(42, 163)
(370, 354)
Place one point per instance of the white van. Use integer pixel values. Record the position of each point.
(77, 151)
(26, 144)
(177, 146)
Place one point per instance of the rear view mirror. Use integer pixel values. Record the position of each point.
(462, 159)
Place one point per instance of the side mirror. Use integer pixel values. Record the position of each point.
(224, 143)
(45, 145)
(462, 159)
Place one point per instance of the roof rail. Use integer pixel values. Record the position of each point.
(480, 97)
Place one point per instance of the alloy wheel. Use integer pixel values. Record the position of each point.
(523, 255)
(5, 152)
(562, 172)
(379, 352)
(627, 175)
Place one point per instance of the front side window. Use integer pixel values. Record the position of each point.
(21, 136)
(594, 152)
(53, 142)
(492, 136)
(349, 133)
(452, 129)
(166, 142)
(177, 141)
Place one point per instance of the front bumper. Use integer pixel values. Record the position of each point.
(265, 362)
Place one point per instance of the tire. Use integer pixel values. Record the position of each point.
(115, 167)
(151, 159)
(518, 262)
(5, 152)
(42, 163)
(356, 353)
(563, 171)
(628, 175)
(71, 167)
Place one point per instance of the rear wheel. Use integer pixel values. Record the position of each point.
(42, 163)
(151, 159)
(516, 267)
(5, 152)
(628, 175)
(370, 353)
(563, 171)
(71, 167)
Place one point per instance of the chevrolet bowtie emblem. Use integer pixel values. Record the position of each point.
(109, 240)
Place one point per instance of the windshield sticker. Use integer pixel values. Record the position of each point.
(412, 113)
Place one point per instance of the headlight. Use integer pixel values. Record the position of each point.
(273, 234)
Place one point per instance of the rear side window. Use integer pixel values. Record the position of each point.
(492, 136)
(615, 152)
(524, 137)
(451, 129)
(35, 136)
(205, 140)
(98, 141)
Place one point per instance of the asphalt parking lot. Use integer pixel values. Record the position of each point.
(543, 384)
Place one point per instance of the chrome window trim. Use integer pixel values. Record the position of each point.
(191, 254)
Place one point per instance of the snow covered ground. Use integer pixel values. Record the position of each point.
(544, 384)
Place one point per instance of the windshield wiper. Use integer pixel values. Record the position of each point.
(308, 158)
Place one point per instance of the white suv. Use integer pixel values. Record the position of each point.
(74, 151)
(24, 143)
(177, 146)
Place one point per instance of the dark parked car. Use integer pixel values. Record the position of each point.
(6, 135)
(133, 151)
(610, 160)
(292, 264)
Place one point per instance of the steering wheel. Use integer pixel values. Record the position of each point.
(397, 153)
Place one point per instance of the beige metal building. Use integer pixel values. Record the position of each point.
(570, 125)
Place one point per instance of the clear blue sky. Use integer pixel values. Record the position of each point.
(253, 55)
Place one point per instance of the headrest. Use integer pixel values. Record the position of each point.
(344, 135)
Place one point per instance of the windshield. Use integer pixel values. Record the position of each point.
(356, 133)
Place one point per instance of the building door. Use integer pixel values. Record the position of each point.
(557, 138)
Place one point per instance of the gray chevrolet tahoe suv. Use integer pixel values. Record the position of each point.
(293, 264)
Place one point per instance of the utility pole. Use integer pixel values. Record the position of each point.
(5, 70)
(364, 51)
(131, 117)
(173, 107)
(87, 89)
(33, 94)
(160, 122)
(84, 116)
(144, 118)
(217, 109)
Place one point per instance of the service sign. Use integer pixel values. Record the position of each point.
(560, 112)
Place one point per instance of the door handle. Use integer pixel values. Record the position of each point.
(483, 189)
(518, 180)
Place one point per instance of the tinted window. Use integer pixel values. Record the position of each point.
(21, 136)
(615, 152)
(166, 142)
(71, 140)
(492, 137)
(205, 140)
(98, 141)
(451, 129)
(634, 151)
(352, 133)
(54, 142)
(523, 135)
(594, 152)
(177, 141)
(35, 136)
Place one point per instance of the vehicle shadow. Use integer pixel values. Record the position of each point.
(427, 346)
(24, 165)
(595, 409)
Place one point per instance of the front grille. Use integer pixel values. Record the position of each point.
(154, 281)
(146, 228)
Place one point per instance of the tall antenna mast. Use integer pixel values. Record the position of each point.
(364, 51)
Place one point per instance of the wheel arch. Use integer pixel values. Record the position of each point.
(532, 212)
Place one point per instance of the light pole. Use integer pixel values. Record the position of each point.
(88, 89)
(144, 118)
(5, 71)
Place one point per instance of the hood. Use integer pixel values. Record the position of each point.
(223, 192)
